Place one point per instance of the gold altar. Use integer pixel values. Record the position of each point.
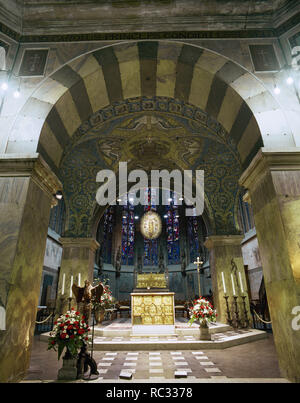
(155, 308)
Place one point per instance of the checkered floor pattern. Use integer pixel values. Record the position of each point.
(156, 365)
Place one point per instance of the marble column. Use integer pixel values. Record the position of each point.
(227, 269)
(27, 186)
(273, 183)
(78, 259)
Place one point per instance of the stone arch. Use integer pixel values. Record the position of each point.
(100, 85)
(185, 72)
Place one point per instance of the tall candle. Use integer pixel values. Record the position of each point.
(71, 286)
(63, 284)
(233, 288)
(242, 288)
(79, 279)
(223, 280)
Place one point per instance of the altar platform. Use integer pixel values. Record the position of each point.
(117, 335)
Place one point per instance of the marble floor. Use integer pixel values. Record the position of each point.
(255, 361)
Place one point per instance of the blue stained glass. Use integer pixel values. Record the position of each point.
(193, 238)
(172, 228)
(128, 235)
(108, 223)
(150, 245)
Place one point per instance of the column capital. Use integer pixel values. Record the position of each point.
(33, 166)
(90, 243)
(268, 160)
(223, 240)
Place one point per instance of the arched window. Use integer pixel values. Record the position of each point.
(128, 231)
(150, 245)
(245, 215)
(172, 228)
(57, 217)
(193, 237)
(107, 232)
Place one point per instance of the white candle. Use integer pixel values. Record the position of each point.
(79, 280)
(63, 284)
(242, 288)
(71, 286)
(223, 280)
(233, 289)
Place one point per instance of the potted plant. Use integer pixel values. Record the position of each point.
(70, 332)
(105, 302)
(202, 310)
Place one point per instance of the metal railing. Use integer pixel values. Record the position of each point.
(259, 318)
(44, 320)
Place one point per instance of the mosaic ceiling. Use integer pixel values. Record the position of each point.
(151, 135)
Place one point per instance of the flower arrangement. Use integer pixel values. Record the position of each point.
(203, 311)
(70, 331)
(106, 299)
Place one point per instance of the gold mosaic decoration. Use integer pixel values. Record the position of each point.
(153, 309)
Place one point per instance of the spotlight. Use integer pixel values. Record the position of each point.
(290, 80)
(277, 90)
(165, 216)
(136, 217)
(59, 195)
(17, 94)
(4, 86)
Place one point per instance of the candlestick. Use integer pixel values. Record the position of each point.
(233, 288)
(223, 280)
(63, 284)
(79, 280)
(237, 316)
(242, 288)
(247, 322)
(229, 320)
(71, 286)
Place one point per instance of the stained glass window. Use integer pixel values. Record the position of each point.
(172, 227)
(150, 245)
(57, 217)
(128, 231)
(107, 231)
(193, 237)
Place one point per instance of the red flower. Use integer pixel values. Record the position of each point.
(72, 336)
(77, 313)
(63, 335)
(53, 342)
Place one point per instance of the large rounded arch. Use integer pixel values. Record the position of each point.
(184, 72)
(164, 78)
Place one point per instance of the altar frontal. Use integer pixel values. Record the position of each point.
(152, 306)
